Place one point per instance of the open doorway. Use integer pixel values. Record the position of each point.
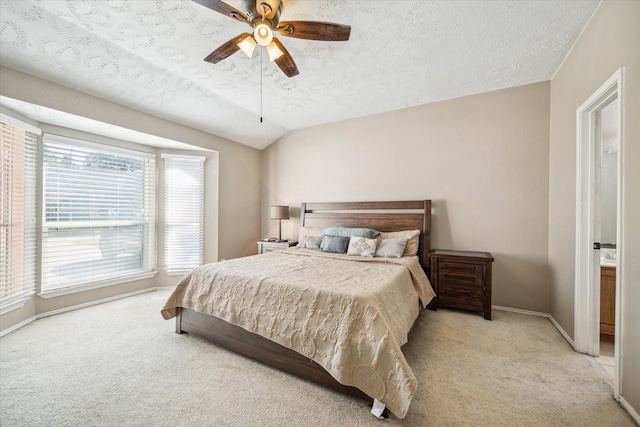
(608, 134)
(599, 225)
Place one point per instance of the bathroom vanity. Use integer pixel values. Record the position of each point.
(607, 298)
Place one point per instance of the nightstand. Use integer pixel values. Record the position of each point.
(462, 279)
(264, 246)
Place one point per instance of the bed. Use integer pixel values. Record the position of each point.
(287, 308)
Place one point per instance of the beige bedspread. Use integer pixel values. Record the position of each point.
(349, 314)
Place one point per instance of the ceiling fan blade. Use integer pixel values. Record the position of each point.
(226, 50)
(225, 9)
(313, 30)
(285, 62)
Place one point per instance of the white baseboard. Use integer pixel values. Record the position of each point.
(538, 313)
(517, 310)
(90, 303)
(564, 334)
(17, 326)
(634, 415)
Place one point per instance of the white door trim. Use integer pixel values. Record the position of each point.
(587, 291)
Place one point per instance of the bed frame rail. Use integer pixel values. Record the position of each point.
(259, 348)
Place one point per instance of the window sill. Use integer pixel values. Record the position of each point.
(53, 293)
(178, 272)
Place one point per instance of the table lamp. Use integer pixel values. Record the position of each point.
(279, 212)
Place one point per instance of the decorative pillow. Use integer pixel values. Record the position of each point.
(413, 237)
(351, 232)
(310, 242)
(309, 231)
(362, 246)
(335, 244)
(391, 248)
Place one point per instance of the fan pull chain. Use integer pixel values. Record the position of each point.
(261, 85)
(263, 12)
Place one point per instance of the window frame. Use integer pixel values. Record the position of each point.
(149, 223)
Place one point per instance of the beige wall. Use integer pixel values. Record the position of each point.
(237, 212)
(483, 160)
(610, 41)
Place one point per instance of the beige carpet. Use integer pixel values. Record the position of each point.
(121, 364)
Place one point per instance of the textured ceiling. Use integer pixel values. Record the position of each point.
(148, 55)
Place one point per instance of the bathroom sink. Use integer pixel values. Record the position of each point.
(608, 257)
(604, 262)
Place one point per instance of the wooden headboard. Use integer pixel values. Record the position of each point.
(381, 216)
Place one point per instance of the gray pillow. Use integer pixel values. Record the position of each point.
(335, 244)
(391, 248)
(350, 232)
(310, 242)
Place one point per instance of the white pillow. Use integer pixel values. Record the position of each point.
(362, 246)
(391, 248)
(412, 236)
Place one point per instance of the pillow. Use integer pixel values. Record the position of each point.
(350, 232)
(335, 244)
(310, 242)
(309, 231)
(391, 248)
(413, 237)
(362, 246)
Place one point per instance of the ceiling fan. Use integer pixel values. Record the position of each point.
(264, 17)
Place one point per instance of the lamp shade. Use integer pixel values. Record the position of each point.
(274, 51)
(247, 45)
(279, 212)
(263, 34)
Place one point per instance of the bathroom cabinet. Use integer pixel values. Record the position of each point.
(607, 303)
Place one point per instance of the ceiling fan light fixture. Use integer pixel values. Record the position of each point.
(263, 34)
(247, 45)
(274, 51)
(263, 16)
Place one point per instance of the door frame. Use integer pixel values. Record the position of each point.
(587, 289)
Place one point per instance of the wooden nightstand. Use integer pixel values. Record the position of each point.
(462, 280)
(264, 247)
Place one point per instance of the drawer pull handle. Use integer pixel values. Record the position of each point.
(449, 276)
(447, 266)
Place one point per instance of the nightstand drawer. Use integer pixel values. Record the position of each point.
(460, 296)
(265, 246)
(468, 273)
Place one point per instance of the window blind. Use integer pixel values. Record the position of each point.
(184, 212)
(99, 214)
(17, 215)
